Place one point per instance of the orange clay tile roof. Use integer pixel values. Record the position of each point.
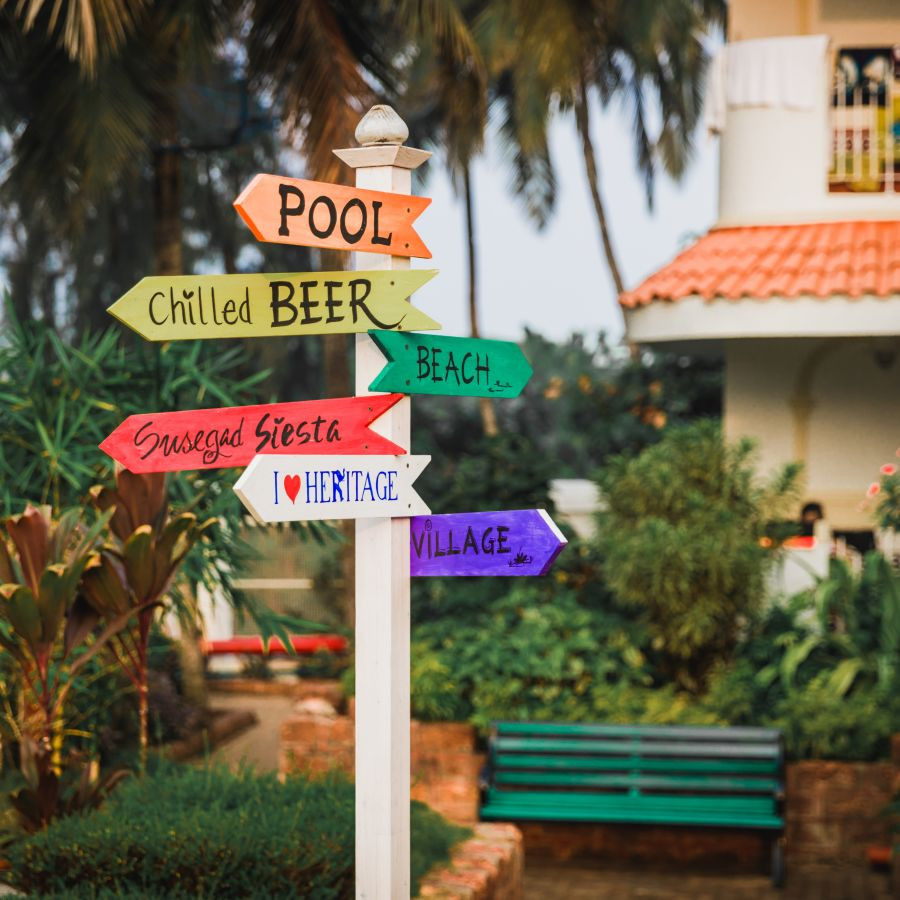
(819, 260)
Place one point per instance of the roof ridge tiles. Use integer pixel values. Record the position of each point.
(819, 259)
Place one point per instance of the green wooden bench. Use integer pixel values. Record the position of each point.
(660, 775)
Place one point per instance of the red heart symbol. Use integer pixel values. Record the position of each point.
(292, 486)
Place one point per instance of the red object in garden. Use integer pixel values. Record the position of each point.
(800, 542)
(879, 856)
(305, 644)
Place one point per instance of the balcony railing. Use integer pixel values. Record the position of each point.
(865, 117)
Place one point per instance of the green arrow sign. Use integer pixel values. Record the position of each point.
(450, 366)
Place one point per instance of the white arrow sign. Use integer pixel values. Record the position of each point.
(301, 488)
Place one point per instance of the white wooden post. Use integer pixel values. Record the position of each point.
(382, 577)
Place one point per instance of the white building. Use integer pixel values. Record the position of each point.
(798, 283)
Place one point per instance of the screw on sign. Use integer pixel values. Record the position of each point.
(315, 214)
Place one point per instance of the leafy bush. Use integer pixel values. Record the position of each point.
(821, 724)
(537, 653)
(187, 832)
(103, 714)
(59, 401)
(685, 541)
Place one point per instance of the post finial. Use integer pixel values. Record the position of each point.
(381, 125)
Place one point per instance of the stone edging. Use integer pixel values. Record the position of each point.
(252, 686)
(488, 866)
(223, 726)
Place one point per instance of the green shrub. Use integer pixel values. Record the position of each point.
(683, 536)
(821, 724)
(536, 653)
(187, 832)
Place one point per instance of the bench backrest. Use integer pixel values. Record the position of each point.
(636, 759)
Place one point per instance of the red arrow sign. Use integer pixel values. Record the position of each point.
(233, 435)
(316, 214)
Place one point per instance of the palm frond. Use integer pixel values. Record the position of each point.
(305, 52)
(83, 29)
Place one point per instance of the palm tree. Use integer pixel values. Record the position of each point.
(97, 86)
(641, 52)
(464, 74)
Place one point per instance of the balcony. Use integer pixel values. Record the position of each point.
(809, 132)
(865, 121)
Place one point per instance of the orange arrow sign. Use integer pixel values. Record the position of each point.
(316, 214)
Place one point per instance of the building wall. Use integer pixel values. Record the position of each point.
(752, 19)
(857, 22)
(831, 404)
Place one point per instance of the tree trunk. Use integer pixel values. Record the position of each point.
(143, 732)
(145, 621)
(167, 188)
(488, 414)
(582, 119)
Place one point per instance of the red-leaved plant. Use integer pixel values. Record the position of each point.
(50, 633)
(133, 572)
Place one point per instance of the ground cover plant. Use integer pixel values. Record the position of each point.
(205, 832)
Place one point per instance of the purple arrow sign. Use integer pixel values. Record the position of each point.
(516, 542)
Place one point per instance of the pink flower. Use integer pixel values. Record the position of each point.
(888, 469)
(874, 488)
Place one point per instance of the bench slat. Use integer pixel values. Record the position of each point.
(668, 732)
(669, 775)
(711, 784)
(648, 748)
(714, 817)
(750, 804)
(637, 763)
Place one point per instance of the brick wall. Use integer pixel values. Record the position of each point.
(833, 807)
(490, 866)
(444, 766)
(649, 845)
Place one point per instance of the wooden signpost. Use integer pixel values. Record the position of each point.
(450, 366)
(183, 307)
(292, 211)
(307, 488)
(232, 436)
(512, 542)
(331, 459)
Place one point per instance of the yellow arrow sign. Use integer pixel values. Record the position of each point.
(185, 307)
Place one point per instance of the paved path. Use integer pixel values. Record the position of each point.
(258, 746)
(582, 881)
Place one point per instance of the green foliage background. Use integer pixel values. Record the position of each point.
(604, 635)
